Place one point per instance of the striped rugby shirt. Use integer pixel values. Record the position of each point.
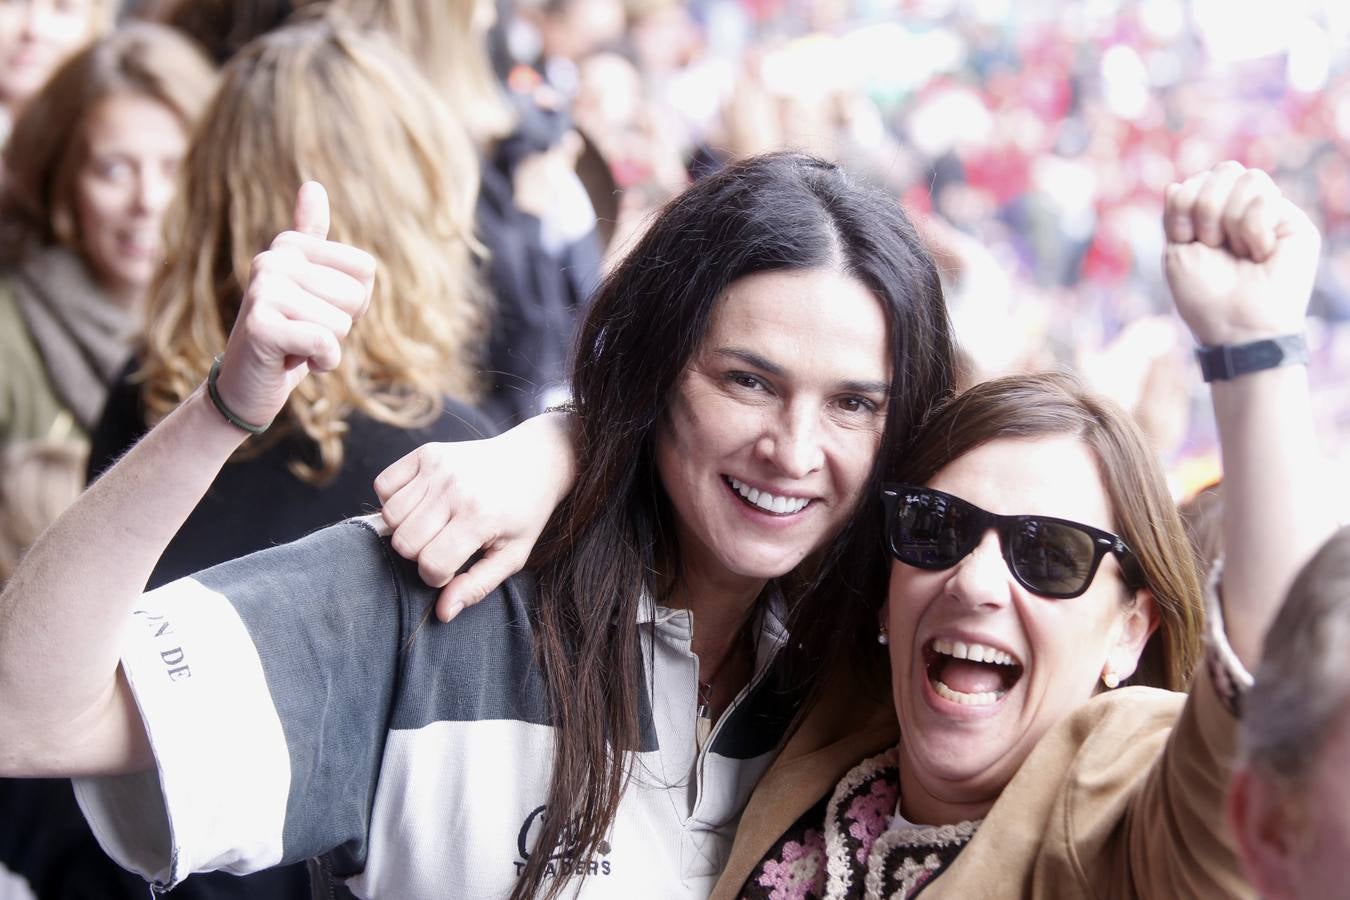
(301, 701)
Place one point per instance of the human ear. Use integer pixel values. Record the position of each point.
(1261, 818)
(1137, 623)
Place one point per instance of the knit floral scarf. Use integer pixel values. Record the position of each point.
(848, 847)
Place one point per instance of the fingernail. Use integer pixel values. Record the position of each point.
(454, 610)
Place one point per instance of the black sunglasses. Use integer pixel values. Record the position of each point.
(1052, 557)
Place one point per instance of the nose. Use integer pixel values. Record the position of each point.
(38, 19)
(154, 189)
(980, 580)
(793, 443)
(29, 20)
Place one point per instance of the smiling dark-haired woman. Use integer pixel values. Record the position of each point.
(598, 725)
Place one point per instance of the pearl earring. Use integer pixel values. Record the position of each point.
(1111, 680)
(882, 637)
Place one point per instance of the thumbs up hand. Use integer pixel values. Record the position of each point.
(303, 295)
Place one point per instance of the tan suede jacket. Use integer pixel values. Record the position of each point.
(1124, 799)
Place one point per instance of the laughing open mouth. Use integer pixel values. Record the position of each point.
(969, 674)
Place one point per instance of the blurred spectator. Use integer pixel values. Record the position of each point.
(38, 480)
(556, 35)
(222, 27)
(92, 162)
(1043, 131)
(533, 213)
(36, 36)
(1290, 801)
(316, 100)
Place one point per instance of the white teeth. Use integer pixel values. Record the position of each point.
(985, 698)
(973, 652)
(769, 502)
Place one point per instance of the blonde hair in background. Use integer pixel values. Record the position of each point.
(321, 101)
(48, 145)
(38, 480)
(440, 36)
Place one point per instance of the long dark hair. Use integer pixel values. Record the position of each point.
(606, 543)
(1056, 404)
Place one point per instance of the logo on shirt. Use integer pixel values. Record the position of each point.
(562, 861)
(173, 657)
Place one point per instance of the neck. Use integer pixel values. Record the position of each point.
(720, 608)
(945, 805)
(125, 297)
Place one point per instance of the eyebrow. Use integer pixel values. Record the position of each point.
(756, 361)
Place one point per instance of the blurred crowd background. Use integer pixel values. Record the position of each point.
(1035, 138)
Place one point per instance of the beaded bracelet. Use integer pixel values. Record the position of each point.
(213, 391)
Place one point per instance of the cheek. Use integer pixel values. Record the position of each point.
(905, 600)
(1077, 642)
(9, 34)
(856, 454)
(100, 205)
(68, 31)
(674, 452)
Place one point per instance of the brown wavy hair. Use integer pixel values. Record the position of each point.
(438, 34)
(1056, 404)
(49, 144)
(319, 100)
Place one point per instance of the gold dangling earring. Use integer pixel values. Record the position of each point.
(882, 637)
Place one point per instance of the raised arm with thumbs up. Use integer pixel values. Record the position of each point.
(66, 709)
(303, 296)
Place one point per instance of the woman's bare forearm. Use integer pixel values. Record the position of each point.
(64, 613)
(1276, 509)
(1240, 261)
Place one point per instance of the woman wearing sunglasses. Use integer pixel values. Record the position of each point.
(1042, 619)
(1042, 624)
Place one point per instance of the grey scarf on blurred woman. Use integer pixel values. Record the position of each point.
(83, 335)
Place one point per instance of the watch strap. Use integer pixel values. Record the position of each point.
(1227, 361)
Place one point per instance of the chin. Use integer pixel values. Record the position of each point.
(765, 565)
(963, 777)
(760, 571)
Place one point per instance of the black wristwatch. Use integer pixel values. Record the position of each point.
(1228, 361)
